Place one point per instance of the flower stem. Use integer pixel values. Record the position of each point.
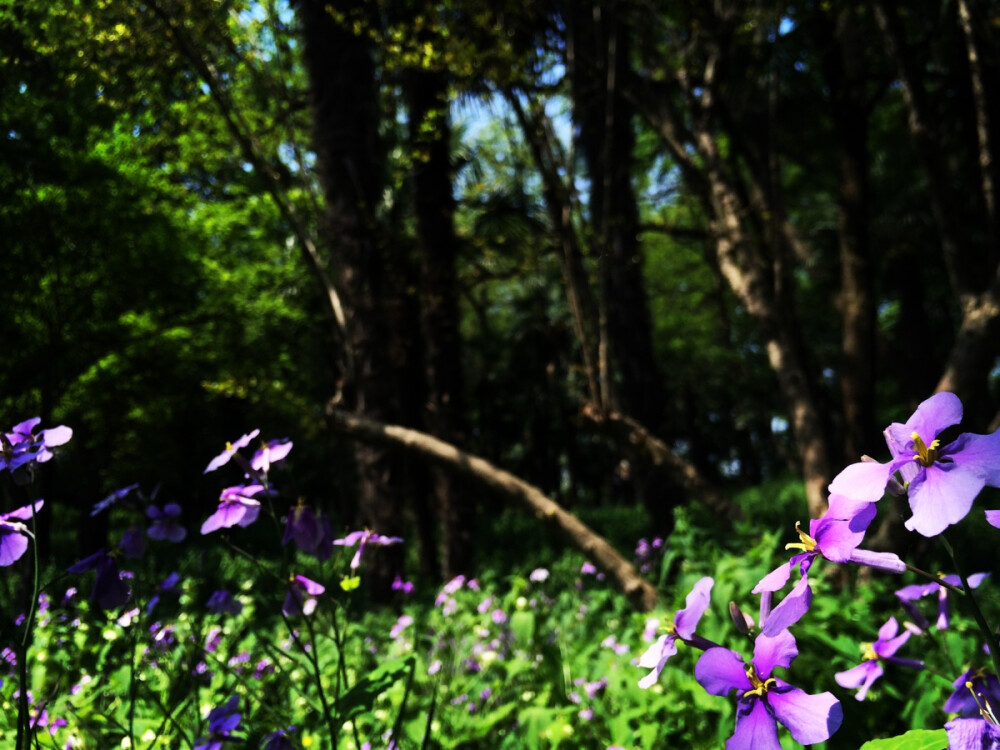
(936, 579)
(977, 613)
(23, 712)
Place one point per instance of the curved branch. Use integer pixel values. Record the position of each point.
(640, 593)
(627, 431)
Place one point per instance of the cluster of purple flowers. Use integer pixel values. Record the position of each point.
(941, 483)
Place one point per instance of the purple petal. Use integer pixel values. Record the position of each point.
(250, 513)
(908, 663)
(775, 580)
(942, 494)
(862, 482)
(110, 592)
(917, 591)
(770, 652)
(993, 518)
(228, 514)
(885, 649)
(974, 580)
(219, 461)
(244, 441)
(13, 545)
(24, 513)
(87, 563)
(655, 658)
(697, 601)
(810, 718)
(972, 734)
(842, 528)
(720, 670)
(980, 453)
(56, 436)
(755, 728)
(311, 587)
(933, 416)
(886, 561)
(351, 539)
(791, 609)
(863, 676)
(25, 428)
(888, 629)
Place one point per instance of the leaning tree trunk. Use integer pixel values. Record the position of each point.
(343, 97)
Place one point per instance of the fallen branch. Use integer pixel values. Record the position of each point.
(640, 593)
(628, 432)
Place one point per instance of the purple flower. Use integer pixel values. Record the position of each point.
(223, 602)
(539, 575)
(614, 645)
(270, 453)
(133, 544)
(23, 444)
(301, 597)
(279, 740)
(974, 689)
(302, 525)
(836, 537)
(682, 628)
(110, 591)
(14, 534)
(763, 700)
(324, 550)
(222, 722)
(230, 450)
(870, 669)
(942, 481)
(402, 624)
(236, 508)
(973, 734)
(165, 526)
(909, 594)
(398, 584)
(362, 539)
(113, 498)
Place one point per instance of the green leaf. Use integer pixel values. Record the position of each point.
(360, 698)
(916, 739)
(522, 625)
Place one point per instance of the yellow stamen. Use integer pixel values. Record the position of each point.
(985, 710)
(759, 686)
(868, 652)
(808, 544)
(229, 447)
(926, 454)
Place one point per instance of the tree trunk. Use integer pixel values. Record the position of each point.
(842, 66)
(344, 101)
(438, 245)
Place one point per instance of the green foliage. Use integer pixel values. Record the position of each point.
(917, 739)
